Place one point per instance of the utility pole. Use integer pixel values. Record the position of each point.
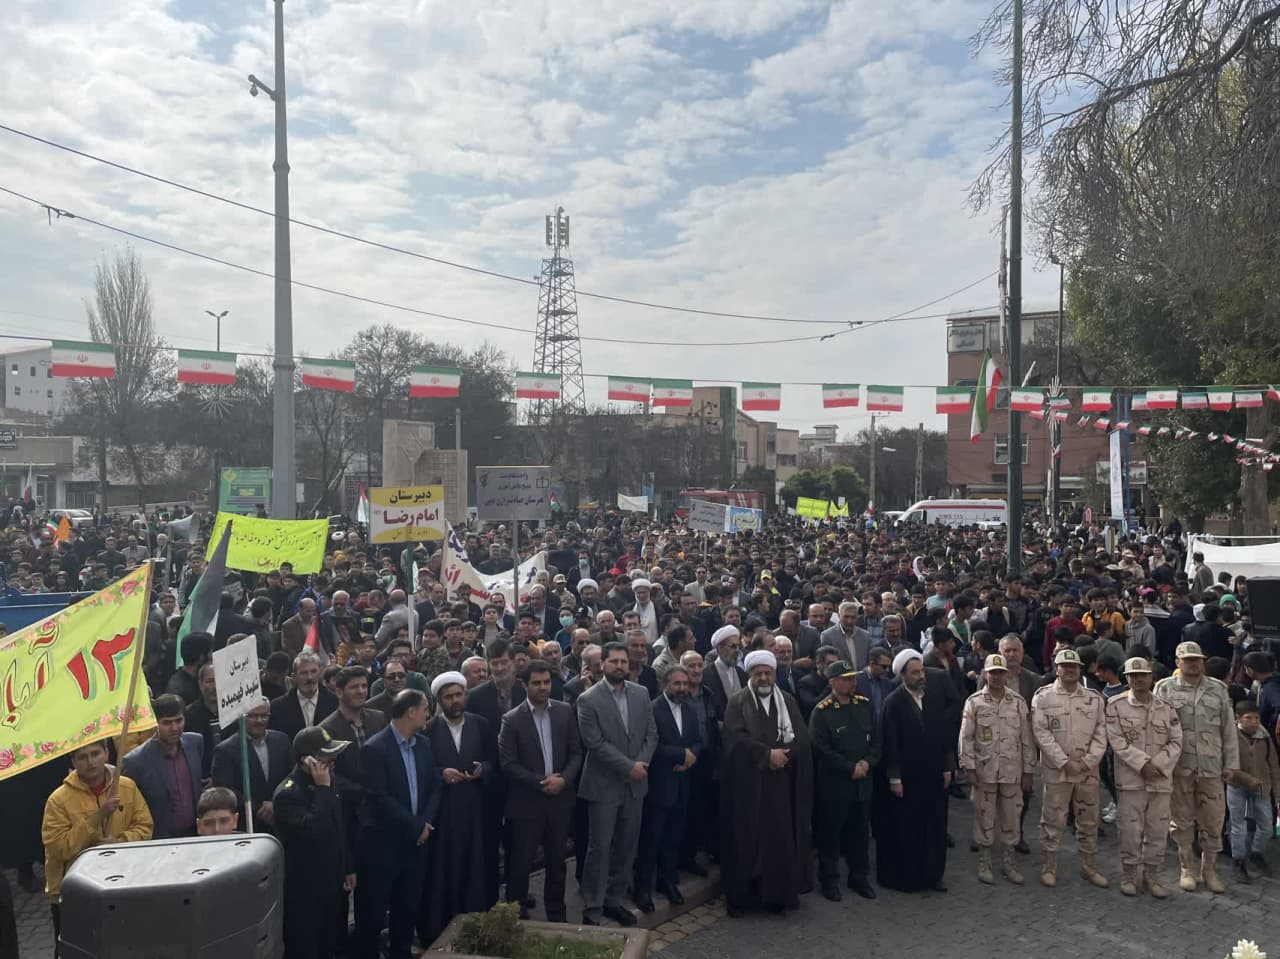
(871, 480)
(1015, 298)
(457, 428)
(919, 491)
(217, 406)
(1055, 428)
(283, 468)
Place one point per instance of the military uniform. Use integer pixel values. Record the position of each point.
(843, 735)
(996, 748)
(1209, 747)
(1064, 722)
(1142, 733)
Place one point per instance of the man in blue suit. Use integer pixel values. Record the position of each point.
(167, 770)
(401, 795)
(666, 803)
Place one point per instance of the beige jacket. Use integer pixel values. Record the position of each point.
(1140, 733)
(996, 743)
(1065, 722)
(1209, 740)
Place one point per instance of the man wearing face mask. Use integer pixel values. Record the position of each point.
(564, 636)
(766, 794)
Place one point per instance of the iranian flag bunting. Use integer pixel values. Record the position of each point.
(1195, 400)
(1144, 430)
(1024, 401)
(1095, 401)
(1273, 392)
(435, 381)
(83, 359)
(1248, 399)
(627, 390)
(1140, 402)
(1102, 422)
(884, 399)
(1221, 400)
(206, 368)
(953, 399)
(984, 397)
(537, 386)
(673, 393)
(1164, 398)
(762, 396)
(1060, 402)
(322, 374)
(839, 394)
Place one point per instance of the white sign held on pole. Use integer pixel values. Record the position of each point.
(236, 679)
(706, 517)
(506, 493)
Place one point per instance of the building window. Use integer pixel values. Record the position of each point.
(786, 459)
(33, 372)
(1002, 449)
(49, 393)
(48, 373)
(13, 368)
(742, 451)
(17, 391)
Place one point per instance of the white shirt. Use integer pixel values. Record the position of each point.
(677, 713)
(308, 708)
(260, 749)
(729, 676)
(455, 730)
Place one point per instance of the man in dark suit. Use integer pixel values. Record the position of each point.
(665, 805)
(493, 699)
(812, 689)
(270, 759)
(804, 639)
(401, 787)
(541, 757)
(167, 769)
(308, 703)
(202, 717)
(615, 721)
(704, 786)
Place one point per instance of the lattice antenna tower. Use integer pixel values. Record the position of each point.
(557, 347)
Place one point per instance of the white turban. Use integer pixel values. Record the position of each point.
(900, 661)
(641, 583)
(760, 657)
(586, 581)
(447, 679)
(723, 633)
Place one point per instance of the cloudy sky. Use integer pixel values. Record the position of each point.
(792, 158)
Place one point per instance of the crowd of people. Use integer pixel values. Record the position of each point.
(766, 702)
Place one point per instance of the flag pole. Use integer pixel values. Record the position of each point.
(244, 772)
(140, 645)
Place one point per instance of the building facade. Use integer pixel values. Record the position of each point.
(29, 385)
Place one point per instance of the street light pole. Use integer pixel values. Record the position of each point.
(1015, 297)
(217, 407)
(282, 449)
(1055, 428)
(871, 482)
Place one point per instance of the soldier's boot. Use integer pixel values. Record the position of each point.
(984, 866)
(1089, 871)
(1209, 872)
(1049, 871)
(1186, 864)
(1131, 884)
(1151, 878)
(1010, 867)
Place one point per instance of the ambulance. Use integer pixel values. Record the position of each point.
(984, 513)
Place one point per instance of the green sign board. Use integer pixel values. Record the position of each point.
(242, 489)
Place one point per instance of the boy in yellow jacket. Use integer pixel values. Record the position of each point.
(84, 811)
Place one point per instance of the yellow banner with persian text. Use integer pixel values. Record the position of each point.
(406, 514)
(261, 545)
(65, 680)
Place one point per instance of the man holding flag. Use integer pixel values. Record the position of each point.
(201, 614)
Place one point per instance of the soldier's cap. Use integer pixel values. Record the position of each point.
(315, 741)
(840, 670)
(995, 662)
(1136, 665)
(1189, 651)
(1068, 656)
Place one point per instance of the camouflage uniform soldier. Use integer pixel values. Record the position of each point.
(998, 751)
(1210, 757)
(1069, 725)
(1146, 737)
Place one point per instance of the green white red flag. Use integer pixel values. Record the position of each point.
(206, 368)
(537, 386)
(323, 374)
(884, 399)
(762, 396)
(835, 395)
(984, 396)
(429, 382)
(72, 358)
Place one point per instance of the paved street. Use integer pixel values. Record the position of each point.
(973, 921)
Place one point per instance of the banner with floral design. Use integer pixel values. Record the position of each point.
(65, 681)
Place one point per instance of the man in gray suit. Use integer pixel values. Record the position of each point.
(616, 726)
(852, 641)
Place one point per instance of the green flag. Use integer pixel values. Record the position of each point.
(201, 614)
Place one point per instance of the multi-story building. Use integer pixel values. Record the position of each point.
(29, 384)
(981, 468)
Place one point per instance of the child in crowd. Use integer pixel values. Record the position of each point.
(1249, 797)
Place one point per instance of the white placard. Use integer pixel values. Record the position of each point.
(236, 678)
(633, 504)
(513, 492)
(706, 517)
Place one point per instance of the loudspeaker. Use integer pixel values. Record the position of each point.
(1264, 604)
(213, 897)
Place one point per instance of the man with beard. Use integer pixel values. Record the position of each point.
(919, 752)
(615, 722)
(456, 869)
(766, 799)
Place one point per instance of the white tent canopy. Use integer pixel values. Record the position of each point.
(1262, 559)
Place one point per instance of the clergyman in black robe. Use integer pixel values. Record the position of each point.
(919, 746)
(456, 868)
(766, 797)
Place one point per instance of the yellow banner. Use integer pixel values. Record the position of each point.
(261, 545)
(808, 506)
(64, 681)
(406, 514)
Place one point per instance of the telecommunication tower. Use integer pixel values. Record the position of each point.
(556, 345)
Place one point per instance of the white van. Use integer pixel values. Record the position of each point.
(986, 513)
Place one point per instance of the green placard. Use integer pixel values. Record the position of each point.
(242, 489)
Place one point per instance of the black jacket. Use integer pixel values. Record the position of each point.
(286, 712)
